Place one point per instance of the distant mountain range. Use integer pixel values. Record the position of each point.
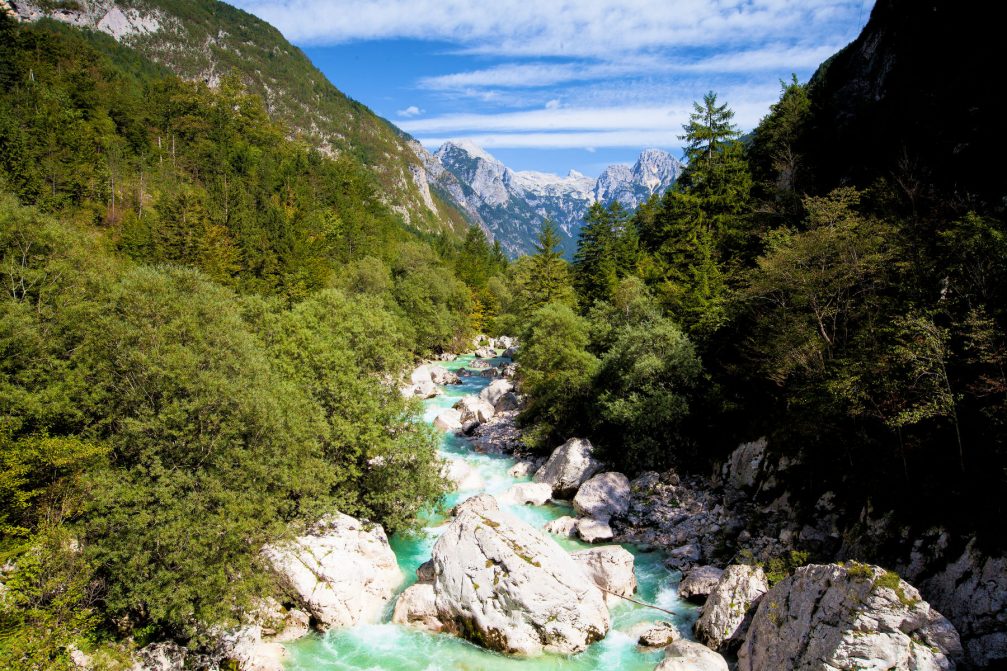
(511, 204)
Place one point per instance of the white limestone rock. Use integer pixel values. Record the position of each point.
(603, 497)
(343, 572)
(855, 616)
(473, 408)
(449, 420)
(591, 530)
(722, 622)
(565, 526)
(611, 567)
(495, 391)
(698, 583)
(416, 607)
(691, 656)
(569, 466)
(502, 584)
(529, 493)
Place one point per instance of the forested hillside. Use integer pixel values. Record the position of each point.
(198, 321)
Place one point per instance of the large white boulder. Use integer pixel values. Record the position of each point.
(508, 587)
(441, 375)
(473, 408)
(603, 497)
(591, 530)
(611, 569)
(691, 656)
(569, 466)
(699, 582)
(528, 493)
(417, 607)
(449, 420)
(421, 374)
(247, 647)
(565, 527)
(485, 352)
(855, 616)
(721, 622)
(343, 572)
(495, 391)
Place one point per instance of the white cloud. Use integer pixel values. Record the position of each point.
(557, 28)
(410, 111)
(552, 104)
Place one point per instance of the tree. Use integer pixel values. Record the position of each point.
(544, 278)
(606, 251)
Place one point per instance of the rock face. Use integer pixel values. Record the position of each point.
(832, 616)
(722, 622)
(611, 569)
(972, 593)
(603, 497)
(691, 656)
(502, 584)
(699, 582)
(529, 493)
(343, 572)
(416, 607)
(473, 408)
(569, 466)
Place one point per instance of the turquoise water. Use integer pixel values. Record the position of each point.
(389, 647)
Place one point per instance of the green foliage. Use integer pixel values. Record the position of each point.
(781, 567)
(556, 372)
(606, 252)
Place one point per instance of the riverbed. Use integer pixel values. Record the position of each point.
(389, 647)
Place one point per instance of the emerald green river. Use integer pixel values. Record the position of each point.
(389, 647)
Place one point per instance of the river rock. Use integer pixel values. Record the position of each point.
(343, 572)
(565, 526)
(604, 496)
(441, 375)
(464, 476)
(529, 493)
(502, 584)
(722, 622)
(691, 656)
(473, 408)
(495, 391)
(167, 656)
(480, 503)
(855, 616)
(485, 352)
(569, 466)
(591, 530)
(416, 607)
(449, 420)
(698, 583)
(658, 635)
(510, 352)
(972, 593)
(611, 569)
(278, 624)
(251, 652)
(523, 469)
(425, 572)
(508, 402)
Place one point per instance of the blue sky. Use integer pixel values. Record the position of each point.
(558, 84)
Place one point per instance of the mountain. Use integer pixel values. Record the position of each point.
(208, 40)
(512, 204)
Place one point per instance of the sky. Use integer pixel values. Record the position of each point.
(555, 85)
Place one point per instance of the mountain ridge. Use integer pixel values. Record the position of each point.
(511, 204)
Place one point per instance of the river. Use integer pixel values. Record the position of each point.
(389, 647)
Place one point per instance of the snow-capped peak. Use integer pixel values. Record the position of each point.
(469, 147)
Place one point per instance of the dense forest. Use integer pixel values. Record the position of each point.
(196, 320)
(200, 318)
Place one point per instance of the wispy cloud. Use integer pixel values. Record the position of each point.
(410, 111)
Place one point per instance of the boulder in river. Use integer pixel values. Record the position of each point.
(603, 496)
(847, 616)
(569, 466)
(449, 420)
(529, 493)
(343, 572)
(495, 391)
(508, 587)
(565, 526)
(473, 408)
(658, 635)
(591, 530)
(691, 656)
(698, 583)
(480, 503)
(611, 569)
(523, 468)
(485, 352)
(725, 615)
(441, 375)
(416, 607)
